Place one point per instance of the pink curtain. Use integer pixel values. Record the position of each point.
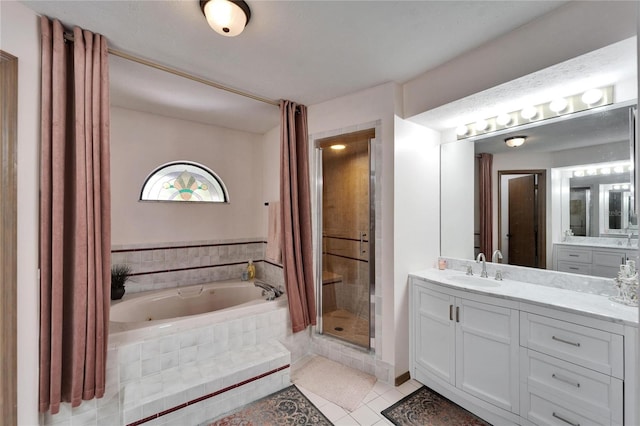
(486, 206)
(295, 210)
(75, 228)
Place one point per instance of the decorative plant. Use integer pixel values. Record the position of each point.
(119, 276)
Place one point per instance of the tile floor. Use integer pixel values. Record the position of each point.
(380, 397)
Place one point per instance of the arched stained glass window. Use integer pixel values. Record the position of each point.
(184, 181)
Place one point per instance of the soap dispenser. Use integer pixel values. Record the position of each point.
(251, 270)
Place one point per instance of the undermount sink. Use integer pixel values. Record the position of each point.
(475, 281)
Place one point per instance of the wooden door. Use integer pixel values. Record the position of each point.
(522, 221)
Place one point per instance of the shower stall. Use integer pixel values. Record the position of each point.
(346, 226)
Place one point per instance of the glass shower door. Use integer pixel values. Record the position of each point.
(346, 230)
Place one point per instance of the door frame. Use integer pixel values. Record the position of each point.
(8, 237)
(541, 210)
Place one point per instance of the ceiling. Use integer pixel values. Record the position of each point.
(305, 51)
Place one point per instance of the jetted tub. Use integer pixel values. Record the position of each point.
(159, 312)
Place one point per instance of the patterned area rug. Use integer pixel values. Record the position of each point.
(426, 407)
(286, 407)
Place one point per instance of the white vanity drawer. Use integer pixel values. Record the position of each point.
(580, 387)
(543, 410)
(574, 255)
(591, 348)
(608, 258)
(574, 268)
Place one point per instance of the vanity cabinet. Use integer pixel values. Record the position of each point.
(587, 260)
(468, 344)
(571, 374)
(516, 362)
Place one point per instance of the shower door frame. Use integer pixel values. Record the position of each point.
(372, 233)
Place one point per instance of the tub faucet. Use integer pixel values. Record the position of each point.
(268, 288)
(482, 259)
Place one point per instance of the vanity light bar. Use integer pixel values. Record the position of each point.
(592, 98)
(605, 170)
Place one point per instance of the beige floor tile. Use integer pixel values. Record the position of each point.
(365, 416)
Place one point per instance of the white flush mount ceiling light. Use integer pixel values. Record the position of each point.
(226, 17)
(515, 141)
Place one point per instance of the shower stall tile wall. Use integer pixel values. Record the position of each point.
(157, 266)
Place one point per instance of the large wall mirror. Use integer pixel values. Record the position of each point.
(577, 173)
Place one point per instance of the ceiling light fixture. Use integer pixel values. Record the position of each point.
(337, 147)
(515, 141)
(226, 17)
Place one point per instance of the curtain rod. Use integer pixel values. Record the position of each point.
(69, 37)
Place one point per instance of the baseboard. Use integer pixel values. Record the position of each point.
(404, 377)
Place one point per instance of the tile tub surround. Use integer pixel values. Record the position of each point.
(544, 277)
(165, 265)
(197, 370)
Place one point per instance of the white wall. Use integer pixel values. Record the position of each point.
(457, 201)
(270, 147)
(140, 142)
(19, 36)
(569, 31)
(377, 103)
(416, 219)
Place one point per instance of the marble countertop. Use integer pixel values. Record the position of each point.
(623, 245)
(592, 305)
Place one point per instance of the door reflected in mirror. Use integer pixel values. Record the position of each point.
(522, 207)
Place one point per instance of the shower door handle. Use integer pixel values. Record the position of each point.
(362, 237)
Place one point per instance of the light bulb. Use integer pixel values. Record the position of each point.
(529, 112)
(578, 173)
(503, 119)
(592, 96)
(592, 172)
(481, 125)
(605, 171)
(618, 169)
(337, 147)
(558, 105)
(462, 130)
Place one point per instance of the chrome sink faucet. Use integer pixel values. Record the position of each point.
(482, 259)
(497, 255)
